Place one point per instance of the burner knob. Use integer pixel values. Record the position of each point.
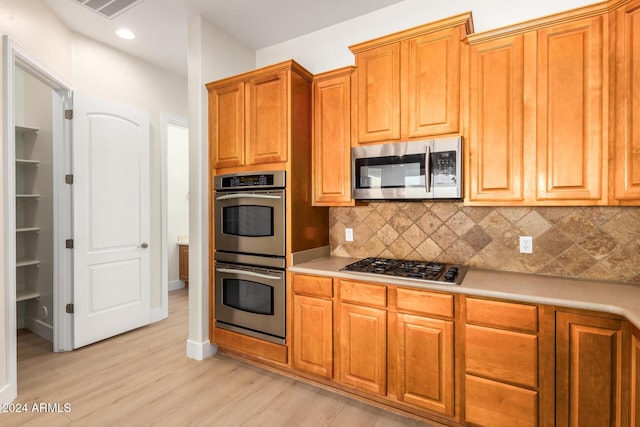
(451, 274)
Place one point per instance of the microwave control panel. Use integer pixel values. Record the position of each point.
(443, 167)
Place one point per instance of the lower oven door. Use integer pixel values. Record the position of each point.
(251, 301)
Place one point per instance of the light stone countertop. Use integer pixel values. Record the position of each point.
(610, 297)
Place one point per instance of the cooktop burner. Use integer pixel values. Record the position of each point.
(418, 270)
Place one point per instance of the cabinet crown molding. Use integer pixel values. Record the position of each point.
(281, 66)
(465, 19)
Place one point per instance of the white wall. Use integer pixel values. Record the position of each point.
(177, 194)
(212, 55)
(328, 48)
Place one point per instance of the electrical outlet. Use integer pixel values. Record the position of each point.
(526, 244)
(348, 234)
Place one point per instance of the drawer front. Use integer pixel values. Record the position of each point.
(490, 403)
(500, 314)
(313, 286)
(428, 303)
(502, 355)
(363, 293)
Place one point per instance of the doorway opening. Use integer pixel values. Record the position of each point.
(175, 206)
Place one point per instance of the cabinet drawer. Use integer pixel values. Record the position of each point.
(502, 355)
(490, 403)
(428, 303)
(500, 314)
(313, 285)
(363, 293)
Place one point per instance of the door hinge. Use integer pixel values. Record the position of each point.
(68, 114)
(69, 308)
(68, 243)
(68, 179)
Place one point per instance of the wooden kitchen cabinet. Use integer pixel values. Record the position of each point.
(313, 325)
(183, 264)
(501, 363)
(250, 115)
(635, 378)
(591, 367)
(408, 83)
(363, 336)
(625, 173)
(425, 350)
(495, 145)
(331, 155)
(539, 94)
(572, 150)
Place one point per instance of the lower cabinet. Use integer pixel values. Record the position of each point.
(313, 325)
(500, 363)
(513, 364)
(592, 356)
(363, 336)
(363, 348)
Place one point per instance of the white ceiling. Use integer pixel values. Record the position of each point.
(161, 25)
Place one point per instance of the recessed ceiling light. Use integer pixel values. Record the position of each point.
(125, 34)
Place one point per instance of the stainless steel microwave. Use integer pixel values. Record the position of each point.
(415, 170)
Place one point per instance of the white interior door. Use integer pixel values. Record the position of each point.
(111, 219)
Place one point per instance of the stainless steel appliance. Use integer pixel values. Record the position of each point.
(251, 300)
(434, 272)
(249, 218)
(430, 169)
(249, 222)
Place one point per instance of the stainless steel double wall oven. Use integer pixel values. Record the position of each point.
(250, 245)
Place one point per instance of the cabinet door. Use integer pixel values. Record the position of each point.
(430, 70)
(183, 263)
(635, 379)
(496, 117)
(572, 152)
(267, 119)
(627, 100)
(226, 126)
(589, 370)
(332, 140)
(378, 86)
(363, 348)
(425, 363)
(313, 335)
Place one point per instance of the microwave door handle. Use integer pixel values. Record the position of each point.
(427, 174)
(247, 196)
(247, 273)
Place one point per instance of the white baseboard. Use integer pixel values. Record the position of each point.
(8, 393)
(174, 285)
(40, 328)
(201, 350)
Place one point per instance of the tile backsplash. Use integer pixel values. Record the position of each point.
(586, 242)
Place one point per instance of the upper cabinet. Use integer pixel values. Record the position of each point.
(332, 138)
(250, 116)
(625, 174)
(407, 85)
(538, 127)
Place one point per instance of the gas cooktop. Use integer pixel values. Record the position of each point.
(435, 272)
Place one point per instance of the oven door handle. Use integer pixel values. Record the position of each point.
(247, 196)
(248, 273)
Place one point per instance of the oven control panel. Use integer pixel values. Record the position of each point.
(239, 181)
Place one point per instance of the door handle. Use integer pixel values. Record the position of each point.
(247, 196)
(144, 245)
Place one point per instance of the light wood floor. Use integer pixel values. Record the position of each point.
(144, 378)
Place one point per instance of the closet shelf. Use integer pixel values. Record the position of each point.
(26, 295)
(24, 130)
(26, 162)
(27, 262)
(27, 196)
(27, 229)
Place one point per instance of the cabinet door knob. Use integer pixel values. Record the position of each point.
(144, 245)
